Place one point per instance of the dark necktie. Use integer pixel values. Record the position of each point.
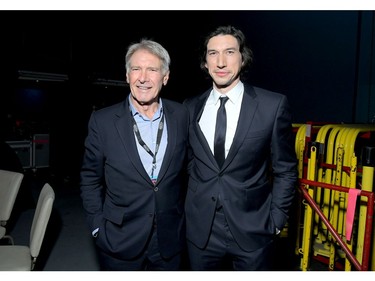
(220, 131)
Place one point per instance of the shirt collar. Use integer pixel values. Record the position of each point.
(233, 95)
(135, 112)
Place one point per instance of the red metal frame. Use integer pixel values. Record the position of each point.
(368, 225)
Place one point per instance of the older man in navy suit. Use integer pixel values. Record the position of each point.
(133, 170)
(241, 184)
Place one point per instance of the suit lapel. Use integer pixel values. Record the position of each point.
(248, 108)
(125, 130)
(172, 139)
(199, 107)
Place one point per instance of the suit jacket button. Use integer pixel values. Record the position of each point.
(156, 188)
(213, 199)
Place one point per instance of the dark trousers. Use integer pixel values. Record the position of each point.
(150, 260)
(223, 253)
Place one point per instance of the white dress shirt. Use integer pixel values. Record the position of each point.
(207, 122)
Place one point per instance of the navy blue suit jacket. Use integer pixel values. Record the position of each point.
(255, 201)
(118, 195)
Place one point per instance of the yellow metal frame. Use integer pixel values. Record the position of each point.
(340, 168)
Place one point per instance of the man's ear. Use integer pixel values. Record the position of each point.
(165, 79)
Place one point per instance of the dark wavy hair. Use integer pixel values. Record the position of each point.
(246, 52)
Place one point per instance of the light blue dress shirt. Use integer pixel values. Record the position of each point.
(148, 129)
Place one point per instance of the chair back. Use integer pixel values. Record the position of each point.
(10, 183)
(41, 217)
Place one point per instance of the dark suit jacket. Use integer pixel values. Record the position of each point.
(254, 202)
(118, 195)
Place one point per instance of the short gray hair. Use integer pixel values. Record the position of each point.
(154, 48)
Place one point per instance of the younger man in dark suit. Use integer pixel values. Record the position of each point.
(241, 185)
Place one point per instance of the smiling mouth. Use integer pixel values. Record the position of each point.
(143, 88)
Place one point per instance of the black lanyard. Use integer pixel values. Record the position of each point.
(144, 145)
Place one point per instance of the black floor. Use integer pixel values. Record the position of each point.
(68, 245)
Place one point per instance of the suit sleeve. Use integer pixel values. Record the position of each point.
(91, 177)
(284, 165)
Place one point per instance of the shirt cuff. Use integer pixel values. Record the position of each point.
(95, 232)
